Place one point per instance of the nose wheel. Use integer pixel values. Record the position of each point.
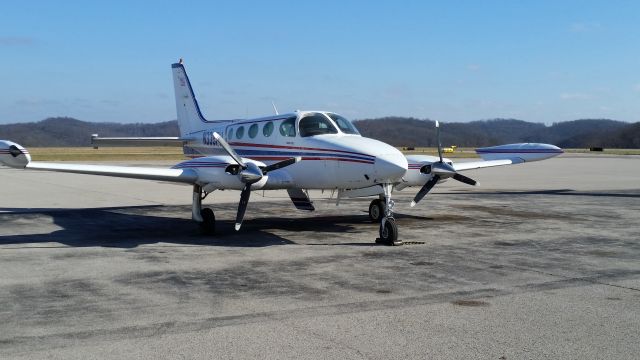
(388, 227)
(389, 233)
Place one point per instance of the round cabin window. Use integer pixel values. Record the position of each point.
(253, 130)
(267, 129)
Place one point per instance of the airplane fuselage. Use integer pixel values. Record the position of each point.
(332, 160)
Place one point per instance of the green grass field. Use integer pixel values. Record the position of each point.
(175, 153)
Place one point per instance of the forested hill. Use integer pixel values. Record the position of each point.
(570, 134)
(394, 130)
(63, 131)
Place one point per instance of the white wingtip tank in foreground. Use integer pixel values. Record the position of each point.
(190, 119)
(521, 152)
(13, 155)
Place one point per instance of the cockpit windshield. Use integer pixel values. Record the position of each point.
(316, 124)
(345, 125)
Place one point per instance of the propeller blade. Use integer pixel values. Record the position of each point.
(438, 139)
(229, 150)
(465, 179)
(281, 164)
(242, 207)
(425, 189)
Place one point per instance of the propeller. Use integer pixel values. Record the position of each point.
(425, 189)
(249, 175)
(440, 170)
(438, 140)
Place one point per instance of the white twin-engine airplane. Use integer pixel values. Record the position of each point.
(297, 151)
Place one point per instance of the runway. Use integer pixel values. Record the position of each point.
(540, 261)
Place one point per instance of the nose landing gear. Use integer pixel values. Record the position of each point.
(388, 227)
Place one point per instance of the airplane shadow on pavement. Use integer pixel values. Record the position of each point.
(129, 227)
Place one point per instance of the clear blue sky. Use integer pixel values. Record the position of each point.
(543, 61)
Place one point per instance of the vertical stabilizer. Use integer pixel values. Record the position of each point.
(190, 119)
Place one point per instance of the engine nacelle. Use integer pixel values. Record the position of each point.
(221, 172)
(418, 172)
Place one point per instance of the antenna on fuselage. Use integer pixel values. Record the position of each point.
(274, 107)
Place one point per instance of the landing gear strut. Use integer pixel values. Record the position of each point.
(205, 217)
(388, 227)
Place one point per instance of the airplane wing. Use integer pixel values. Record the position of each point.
(509, 154)
(439, 168)
(470, 165)
(188, 176)
(16, 156)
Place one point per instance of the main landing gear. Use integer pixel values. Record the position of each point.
(376, 209)
(205, 217)
(382, 210)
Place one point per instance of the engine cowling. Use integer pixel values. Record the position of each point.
(221, 172)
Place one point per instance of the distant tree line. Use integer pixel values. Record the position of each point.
(583, 133)
(398, 131)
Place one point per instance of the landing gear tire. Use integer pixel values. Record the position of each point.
(208, 224)
(376, 210)
(389, 233)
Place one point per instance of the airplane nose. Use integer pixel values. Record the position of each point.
(390, 166)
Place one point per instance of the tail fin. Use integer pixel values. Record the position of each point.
(190, 119)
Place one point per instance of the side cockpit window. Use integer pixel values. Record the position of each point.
(316, 124)
(288, 127)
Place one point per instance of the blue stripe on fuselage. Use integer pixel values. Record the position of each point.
(249, 152)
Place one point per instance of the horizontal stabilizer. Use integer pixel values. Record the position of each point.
(137, 141)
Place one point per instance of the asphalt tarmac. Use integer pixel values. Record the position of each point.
(540, 261)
